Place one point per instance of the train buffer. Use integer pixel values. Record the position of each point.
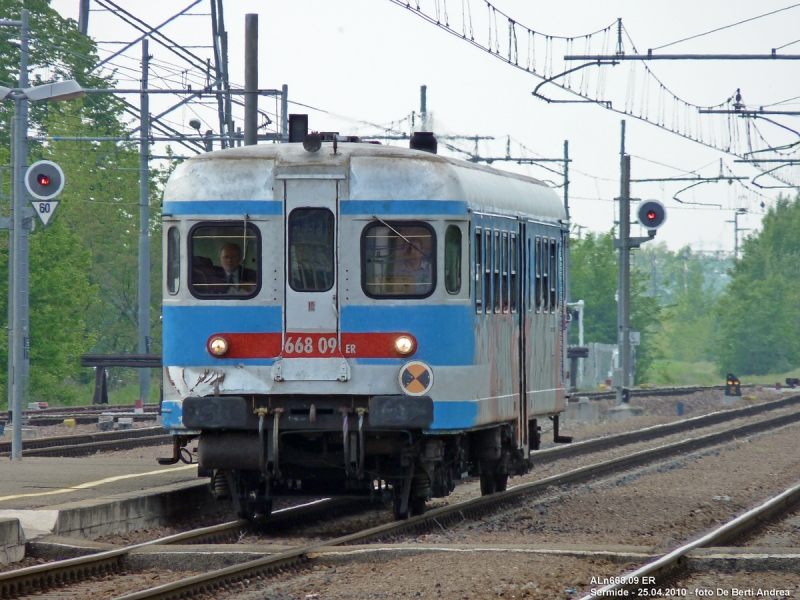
(101, 362)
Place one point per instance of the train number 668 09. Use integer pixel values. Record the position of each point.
(306, 346)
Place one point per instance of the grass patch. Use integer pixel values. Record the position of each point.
(81, 394)
(673, 372)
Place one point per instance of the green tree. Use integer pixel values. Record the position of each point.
(759, 312)
(688, 320)
(90, 248)
(593, 278)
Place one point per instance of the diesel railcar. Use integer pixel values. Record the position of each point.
(359, 320)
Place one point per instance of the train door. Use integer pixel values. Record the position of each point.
(519, 301)
(311, 312)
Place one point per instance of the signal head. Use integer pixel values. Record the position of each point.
(44, 180)
(651, 214)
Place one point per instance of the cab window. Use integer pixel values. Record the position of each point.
(173, 260)
(311, 249)
(398, 260)
(224, 261)
(452, 259)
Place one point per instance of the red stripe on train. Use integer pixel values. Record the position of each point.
(312, 345)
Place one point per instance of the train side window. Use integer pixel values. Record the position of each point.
(537, 261)
(452, 259)
(173, 260)
(224, 261)
(513, 268)
(487, 271)
(478, 270)
(398, 260)
(505, 272)
(553, 278)
(529, 282)
(545, 275)
(498, 294)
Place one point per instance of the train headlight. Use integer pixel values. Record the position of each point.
(218, 346)
(404, 345)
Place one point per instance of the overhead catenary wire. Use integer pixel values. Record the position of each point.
(643, 95)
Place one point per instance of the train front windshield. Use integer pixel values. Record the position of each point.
(399, 260)
(224, 261)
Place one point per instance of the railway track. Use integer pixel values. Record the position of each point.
(657, 391)
(32, 579)
(86, 409)
(89, 443)
(664, 568)
(657, 431)
(83, 444)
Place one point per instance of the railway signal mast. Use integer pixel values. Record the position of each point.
(18, 271)
(651, 215)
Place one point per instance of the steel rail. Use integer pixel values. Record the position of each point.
(30, 580)
(657, 391)
(440, 517)
(737, 527)
(656, 431)
(89, 408)
(84, 418)
(52, 446)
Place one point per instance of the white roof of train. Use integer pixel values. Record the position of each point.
(375, 172)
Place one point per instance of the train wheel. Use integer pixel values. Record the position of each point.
(246, 511)
(397, 505)
(255, 509)
(494, 477)
(488, 482)
(417, 506)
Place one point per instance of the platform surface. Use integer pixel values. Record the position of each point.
(39, 482)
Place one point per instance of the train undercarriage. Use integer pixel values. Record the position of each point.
(339, 455)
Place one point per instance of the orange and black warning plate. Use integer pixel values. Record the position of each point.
(416, 378)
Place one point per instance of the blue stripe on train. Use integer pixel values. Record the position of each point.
(347, 207)
(223, 207)
(444, 333)
(403, 207)
(187, 328)
(454, 415)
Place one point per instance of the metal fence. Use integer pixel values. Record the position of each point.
(599, 366)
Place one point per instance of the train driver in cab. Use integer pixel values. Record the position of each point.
(412, 268)
(235, 278)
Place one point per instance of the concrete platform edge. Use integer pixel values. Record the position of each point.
(132, 510)
(12, 541)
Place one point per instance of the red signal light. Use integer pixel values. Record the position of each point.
(651, 215)
(43, 179)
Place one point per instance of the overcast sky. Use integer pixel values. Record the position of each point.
(362, 62)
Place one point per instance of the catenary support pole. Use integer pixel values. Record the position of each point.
(619, 266)
(250, 79)
(423, 106)
(625, 276)
(285, 113)
(566, 249)
(24, 268)
(19, 304)
(83, 17)
(144, 228)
